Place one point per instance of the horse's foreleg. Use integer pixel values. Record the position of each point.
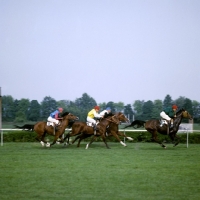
(154, 138)
(81, 137)
(123, 135)
(116, 136)
(43, 141)
(173, 139)
(91, 141)
(104, 140)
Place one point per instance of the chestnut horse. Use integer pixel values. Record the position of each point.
(112, 130)
(42, 129)
(153, 127)
(87, 131)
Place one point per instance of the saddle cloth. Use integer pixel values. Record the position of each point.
(89, 124)
(50, 124)
(163, 121)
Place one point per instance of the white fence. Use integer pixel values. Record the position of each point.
(183, 128)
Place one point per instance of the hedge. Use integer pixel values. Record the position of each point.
(29, 136)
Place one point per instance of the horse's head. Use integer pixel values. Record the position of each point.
(122, 117)
(113, 119)
(187, 115)
(184, 113)
(69, 116)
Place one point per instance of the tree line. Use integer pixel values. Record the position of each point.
(24, 110)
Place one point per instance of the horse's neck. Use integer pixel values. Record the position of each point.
(178, 119)
(65, 123)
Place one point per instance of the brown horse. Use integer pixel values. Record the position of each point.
(153, 126)
(87, 131)
(42, 129)
(112, 130)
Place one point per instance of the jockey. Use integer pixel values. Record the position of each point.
(106, 111)
(54, 116)
(92, 114)
(169, 113)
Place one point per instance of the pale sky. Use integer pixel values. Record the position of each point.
(113, 50)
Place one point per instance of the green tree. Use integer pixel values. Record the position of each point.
(22, 110)
(188, 106)
(8, 112)
(180, 102)
(48, 105)
(34, 111)
(147, 110)
(196, 111)
(128, 111)
(167, 101)
(157, 108)
(119, 107)
(137, 107)
(102, 106)
(82, 106)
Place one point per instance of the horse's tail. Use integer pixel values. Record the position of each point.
(16, 126)
(136, 124)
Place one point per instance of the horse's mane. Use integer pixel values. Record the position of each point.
(179, 111)
(108, 115)
(64, 114)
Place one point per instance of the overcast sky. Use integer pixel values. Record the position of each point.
(113, 50)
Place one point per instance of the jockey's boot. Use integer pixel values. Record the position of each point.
(95, 129)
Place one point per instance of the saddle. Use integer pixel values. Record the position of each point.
(50, 124)
(162, 122)
(89, 124)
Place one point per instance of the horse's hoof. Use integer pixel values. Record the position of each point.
(48, 144)
(86, 146)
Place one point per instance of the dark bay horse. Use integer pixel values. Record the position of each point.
(42, 129)
(153, 127)
(111, 130)
(82, 130)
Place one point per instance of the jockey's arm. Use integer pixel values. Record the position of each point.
(57, 117)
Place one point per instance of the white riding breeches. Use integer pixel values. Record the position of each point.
(164, 116)
(89, 119)
(50, 119)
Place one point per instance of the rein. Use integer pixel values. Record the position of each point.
(112, 119)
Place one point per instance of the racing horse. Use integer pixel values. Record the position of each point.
(153, 126)
(42, 129)
(111, 130)
(82, 130)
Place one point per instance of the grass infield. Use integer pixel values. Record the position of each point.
(136, 172)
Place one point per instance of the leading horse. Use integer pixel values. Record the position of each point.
(42, 129)
(153, 127)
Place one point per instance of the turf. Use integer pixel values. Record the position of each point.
(137, 172)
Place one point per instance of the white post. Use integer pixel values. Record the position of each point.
(1, 118)
(187, 137)
(1, 137)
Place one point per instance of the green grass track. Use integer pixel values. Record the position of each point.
(140, 171)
